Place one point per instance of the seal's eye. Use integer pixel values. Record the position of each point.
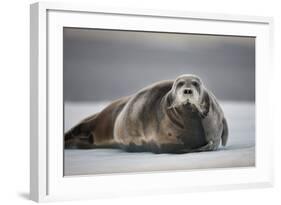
(180, 84)
(195, 83)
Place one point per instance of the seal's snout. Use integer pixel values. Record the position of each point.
(187, 91)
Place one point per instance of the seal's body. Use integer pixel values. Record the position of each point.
(167, 117)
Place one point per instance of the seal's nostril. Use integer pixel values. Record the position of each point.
(187, 91)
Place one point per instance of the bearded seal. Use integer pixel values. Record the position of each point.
(177, 116)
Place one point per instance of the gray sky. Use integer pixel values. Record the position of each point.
(103, 65)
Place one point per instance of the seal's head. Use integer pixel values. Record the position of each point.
(187, 90)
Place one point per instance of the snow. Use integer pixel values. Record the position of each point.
(239, 152)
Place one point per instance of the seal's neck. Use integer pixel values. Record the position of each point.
(180, 114)
(173, 113)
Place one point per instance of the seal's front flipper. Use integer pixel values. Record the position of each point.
(204, 108)
(224, 136)
(208, 147)
(81, 135)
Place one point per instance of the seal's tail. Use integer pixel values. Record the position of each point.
(81, 135)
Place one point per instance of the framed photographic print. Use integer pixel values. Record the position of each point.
(129, 102)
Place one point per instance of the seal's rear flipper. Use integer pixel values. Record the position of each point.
(79, 142)
(81, 135)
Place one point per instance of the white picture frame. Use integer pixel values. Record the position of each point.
(47, 182)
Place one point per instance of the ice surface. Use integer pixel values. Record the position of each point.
(239, 152)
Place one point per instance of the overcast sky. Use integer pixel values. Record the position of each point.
(101, 65)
